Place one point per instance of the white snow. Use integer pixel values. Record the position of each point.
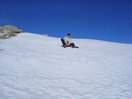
(34, 66)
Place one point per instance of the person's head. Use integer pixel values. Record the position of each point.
(68, 35)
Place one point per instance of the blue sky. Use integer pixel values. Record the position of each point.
(109, 20)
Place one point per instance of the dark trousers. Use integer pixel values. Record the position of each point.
(64, 43)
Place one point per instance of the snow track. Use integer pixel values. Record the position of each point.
(36, 67)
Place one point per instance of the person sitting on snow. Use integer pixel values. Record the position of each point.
(67, 42)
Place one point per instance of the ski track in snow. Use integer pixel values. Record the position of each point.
(37, 67)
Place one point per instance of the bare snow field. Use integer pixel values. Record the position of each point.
(33, 66)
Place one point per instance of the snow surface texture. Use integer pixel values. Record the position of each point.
(37, 67)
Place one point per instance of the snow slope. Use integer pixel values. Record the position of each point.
(36, 67)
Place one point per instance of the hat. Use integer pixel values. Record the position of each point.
(69, 34)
